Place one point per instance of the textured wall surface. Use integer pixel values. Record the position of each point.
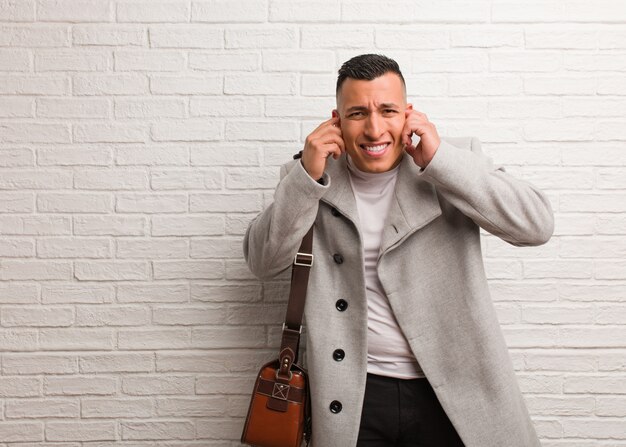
(139, 138)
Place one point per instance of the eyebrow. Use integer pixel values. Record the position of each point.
(385, 105)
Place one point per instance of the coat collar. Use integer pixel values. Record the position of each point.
(413, 206)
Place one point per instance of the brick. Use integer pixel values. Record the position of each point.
(611, 314)
(560, 85)
(226, 154)
(188, 316)
(21, 431)
(186, 85)
(503, 270)
(153, 339)
(410, 37)
(560, 37)
(196, 179)
(16, 157)
(557, 269)
(574, 224)
(487, 36)
(19, 387)
(34, 85)
(109, 226)
(304, 11)
(318, 85)
(260, 84)
(92, 294)
(116, 408)
(300, 107)
(262, 130)
(188, 269)
(586, 202)
(73, 202)
(73, 248)
(17, 10)
(36, 35)
(205, 406)
(606, 247)
(588, 337)
(524, 62)
(108, 35)
(509, 12)
(34, 316)
(35, 270)
(611, 38)
(301, 61)
(528, 336)
(18, 293)
(111, 316)
(15, 60)
(72, 60)
(40, 179)
(153, 11)
(266, 37)
(216, 248)
(154, 156)
(224, 61)
(153, 293)
(214, 428)
(611, 178)
(187, 130)
(18, 340)
(75, 339)
(524, 108)
(16, 202)
(79, 386)
(590, 292)
(240, 203)
(110, 84)
(16, 248)
(148, 60)
(432, 62)
(187, 225)
(594, 384)
(150, 108)
(229, 11)
(611, 406)
(59, 156)
(111, 179)
(39, 364)
(152, 249)
(611, 85)
(110, 133)
(560, 361)
(116, 363)
(186, 36)
(613, 156)
(220, 361)
(157, 430)
(220, 384)
(607, 131)
(34, 133)
(157, 385)
(610, 270)
(610, 224)
(81, 431)
(604, 11)
(74, 11)
(151, 203)
(558, 314)
(228, 337)
(111, 271)
(72, 108)
(484, 85)
(561, 406)
(39, 408)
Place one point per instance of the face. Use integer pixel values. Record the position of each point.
(372, 116)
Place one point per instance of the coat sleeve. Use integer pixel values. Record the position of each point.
(512, 209)
(274, 236)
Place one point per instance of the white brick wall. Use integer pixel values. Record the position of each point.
(138, 138)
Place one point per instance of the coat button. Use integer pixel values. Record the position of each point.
(341, 305)
(338, 355)
(335, 406)
(335, 212)
(338, 258)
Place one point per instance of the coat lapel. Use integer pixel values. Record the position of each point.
(340, 194)
(413, 206)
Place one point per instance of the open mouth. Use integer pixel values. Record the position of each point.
(374, 150)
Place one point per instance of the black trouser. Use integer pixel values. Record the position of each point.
(404, 413)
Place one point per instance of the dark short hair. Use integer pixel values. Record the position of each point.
(367, 67)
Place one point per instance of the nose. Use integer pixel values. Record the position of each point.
(374, 126)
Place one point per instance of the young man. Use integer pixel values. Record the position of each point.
(403, 343)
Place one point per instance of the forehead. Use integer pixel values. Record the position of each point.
(387, 88)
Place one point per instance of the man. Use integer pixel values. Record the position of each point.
(403, 343)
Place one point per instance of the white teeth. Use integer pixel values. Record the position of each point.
(378, 148)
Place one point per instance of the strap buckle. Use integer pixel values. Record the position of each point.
(306, 262)
(299, 330)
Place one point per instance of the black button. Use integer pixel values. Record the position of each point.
(341, 305)
(338, 355)
(335, 406)
(338, 258)
(335, 212)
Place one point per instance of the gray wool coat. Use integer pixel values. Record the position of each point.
(431, 268)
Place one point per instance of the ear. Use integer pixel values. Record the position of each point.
(409, 106)
(335, 114)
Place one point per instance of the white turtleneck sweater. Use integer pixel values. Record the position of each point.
(388, 352)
